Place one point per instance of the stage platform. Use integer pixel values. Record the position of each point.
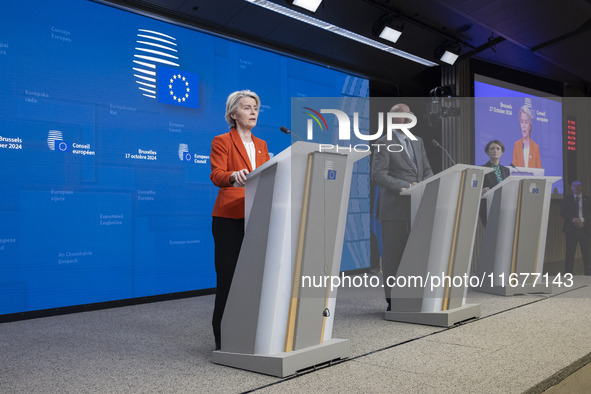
(520, 343)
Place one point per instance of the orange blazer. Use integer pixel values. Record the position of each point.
(228, 154)
(534, 154)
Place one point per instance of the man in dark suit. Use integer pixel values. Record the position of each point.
(576, 212)
(394, 171)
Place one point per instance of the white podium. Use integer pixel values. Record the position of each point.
(444, 213)
(295, 214)
(514, 240)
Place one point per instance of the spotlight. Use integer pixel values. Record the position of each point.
(448, 52)
(442, 91)
(310, 5)
(385, 29)
(449, 57)
(390, 34)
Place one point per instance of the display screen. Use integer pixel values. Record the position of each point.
(499, 110)
(106, 125)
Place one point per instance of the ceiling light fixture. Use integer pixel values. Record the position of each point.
(340, 31)
(386, 30)
(310, 5)
(448, 52)
(449, 57)
(390, 34)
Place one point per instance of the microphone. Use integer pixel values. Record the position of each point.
(287, 131)
(519, 172)
(435, 143)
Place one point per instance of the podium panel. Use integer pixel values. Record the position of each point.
(528, 226)
(250, 284)
(309, 305)
(463, 237)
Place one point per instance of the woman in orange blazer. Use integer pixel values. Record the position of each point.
(526, 144)
(233, 156)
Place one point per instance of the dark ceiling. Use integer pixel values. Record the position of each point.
(548, 38)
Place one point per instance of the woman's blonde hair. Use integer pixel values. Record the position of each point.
(233, 102)
(525, 110)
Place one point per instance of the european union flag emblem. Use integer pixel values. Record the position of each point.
(331, 175)
(177, 87)
(61, 146)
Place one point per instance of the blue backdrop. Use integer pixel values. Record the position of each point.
(105, 130)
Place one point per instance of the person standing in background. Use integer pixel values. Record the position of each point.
(395, 172)
(576, 212)
(494, 149)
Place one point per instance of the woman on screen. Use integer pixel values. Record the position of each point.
(526, 153)
(233, 155)
(494, 149)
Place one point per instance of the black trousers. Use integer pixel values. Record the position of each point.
(227, 236)
(394, 236)
(581, 237)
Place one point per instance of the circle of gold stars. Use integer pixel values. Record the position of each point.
(180, 98)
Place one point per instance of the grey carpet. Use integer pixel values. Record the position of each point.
(165, 347)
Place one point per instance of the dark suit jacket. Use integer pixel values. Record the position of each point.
(570, 210)
(228, 154)
(393, 171)
(490, 179)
